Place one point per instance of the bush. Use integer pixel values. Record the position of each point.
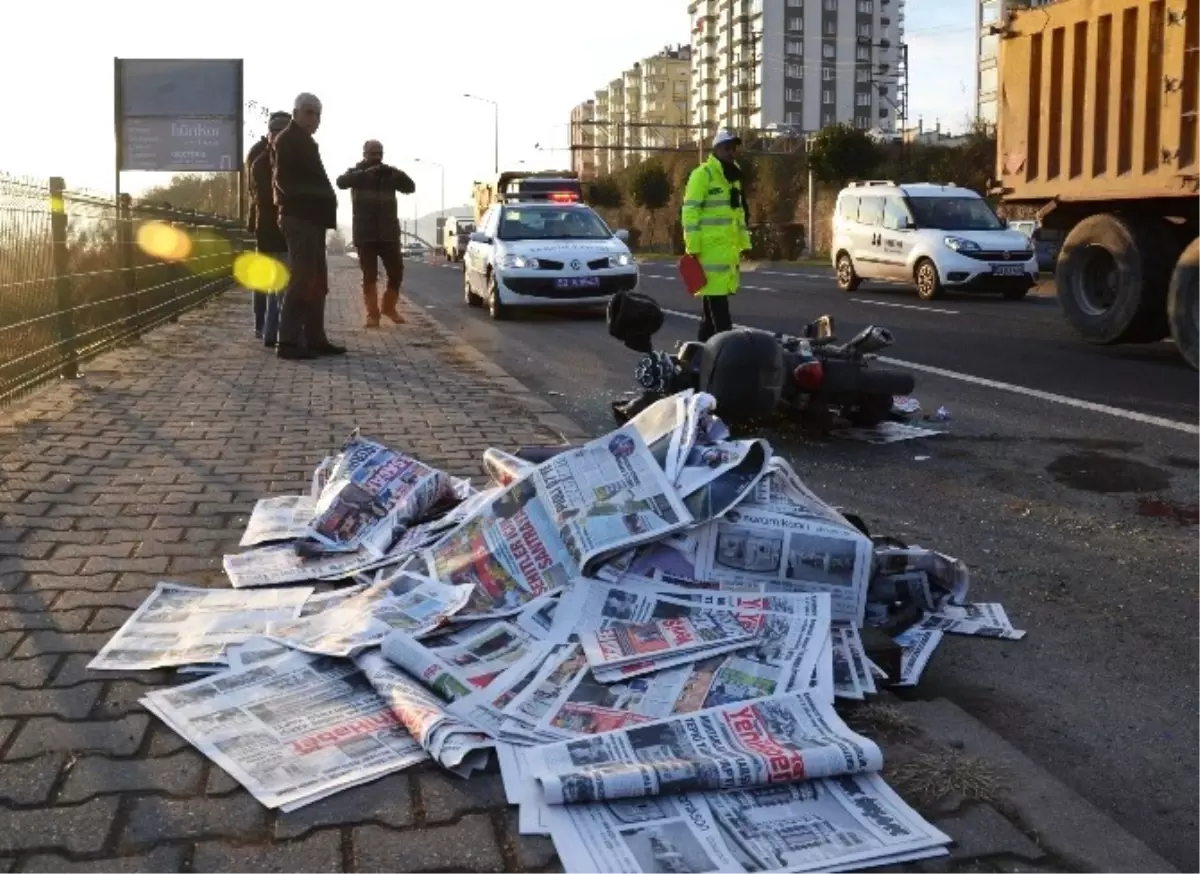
(651, 185)
(840, 152)
(605, 192)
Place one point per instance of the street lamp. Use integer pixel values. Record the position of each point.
(495, 129)
(442, 168)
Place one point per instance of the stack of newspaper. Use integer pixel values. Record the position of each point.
(649, 629)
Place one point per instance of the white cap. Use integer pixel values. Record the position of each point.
(726, 136)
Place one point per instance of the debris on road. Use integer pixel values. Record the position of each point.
(650, 630)
(885, 432)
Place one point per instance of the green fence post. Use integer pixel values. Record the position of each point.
(126, 260)
(62, 278)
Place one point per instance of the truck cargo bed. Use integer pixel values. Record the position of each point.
(1098, 101)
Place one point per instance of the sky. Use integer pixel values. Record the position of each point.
(395, 72)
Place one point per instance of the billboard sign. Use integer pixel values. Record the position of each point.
(179, 115)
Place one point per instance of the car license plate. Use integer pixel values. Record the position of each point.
(577, 282)
(1008, 269)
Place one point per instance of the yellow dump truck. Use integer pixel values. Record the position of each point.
(1097, 128)
(529, 185)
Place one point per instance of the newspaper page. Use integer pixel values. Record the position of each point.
(372, 492)
(782, 491)
(321, 475)
(779, 739)
(290, 730)
(279, 564)
(947, 579)
(322, 601)
(364, 621)
(833, 824)
(981, 620)
(603, 496)
(717, 476)
(661, 426)
(918, 647)
(185, 625)
(505, 468)
(786, 553)
(537, 618)
(453, 671)
(885, 432)
(254, 651)
(454, 744)
(283, 518)
(864, 676)
(845, 678)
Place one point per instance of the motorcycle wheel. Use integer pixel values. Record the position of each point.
(870, 411)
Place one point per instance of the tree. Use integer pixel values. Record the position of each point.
(651, 187)
(216, 194)
(840, 152)
(605, 192)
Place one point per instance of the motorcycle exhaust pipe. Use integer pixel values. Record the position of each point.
(870, 339)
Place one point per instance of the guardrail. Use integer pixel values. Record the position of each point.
(80, 273)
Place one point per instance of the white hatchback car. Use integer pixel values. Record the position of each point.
(936, 236)
(540, 254)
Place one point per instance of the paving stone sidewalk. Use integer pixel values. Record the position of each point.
(145, 470)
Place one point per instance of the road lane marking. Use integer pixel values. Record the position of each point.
(904, 306)
(1129, 415)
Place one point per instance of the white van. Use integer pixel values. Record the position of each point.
(456, 233)
(937, 237)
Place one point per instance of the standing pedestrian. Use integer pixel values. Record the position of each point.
(264, 222)
(373, 186)
(307, 207)
(715, 220)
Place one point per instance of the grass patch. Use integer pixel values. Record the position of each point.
(929, 778)
(883, 719)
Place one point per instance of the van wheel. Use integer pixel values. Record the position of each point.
(929, 284)
(1183, 307)
(496, 308)
(471, 298)
(847, 279)
(1112, 279)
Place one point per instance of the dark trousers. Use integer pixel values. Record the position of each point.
(370, 253)
(716, 315)
(302, 316)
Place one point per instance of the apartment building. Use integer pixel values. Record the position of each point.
(639, 112)
(801, 64)
(988, 14)
(583, 140)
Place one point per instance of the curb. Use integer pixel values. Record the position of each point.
(543, 412)
(1057, 818)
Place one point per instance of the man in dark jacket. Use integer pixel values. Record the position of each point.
(264, 222)
(307, 208)
(373, 186)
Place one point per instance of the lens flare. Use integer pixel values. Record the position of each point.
(160, 240)
(259, 272)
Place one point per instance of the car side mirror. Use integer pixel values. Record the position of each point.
(1004, 222)
(480, 237)
(622, 235)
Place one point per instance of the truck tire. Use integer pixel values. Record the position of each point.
(1112, 279)
(1183, 308)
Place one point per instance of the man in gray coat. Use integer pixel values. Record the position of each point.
(307, 207)
(373, 186)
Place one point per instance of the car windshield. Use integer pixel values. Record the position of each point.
(954, 214)
(552, 223)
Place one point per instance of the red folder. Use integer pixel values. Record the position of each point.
(693, 273)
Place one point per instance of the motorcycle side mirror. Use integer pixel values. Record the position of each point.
(819, 329)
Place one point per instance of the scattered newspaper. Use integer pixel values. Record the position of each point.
(323, 601)
(282, 518)
(280, 564)
(185, 625)
(717, 476)
(885, 432)
(454, 744)
(780, 739)
(774, 552)
(366, 619)
(602, 497)
(833, 824)
(453, 671)
(290, 730)
(371, 494)
(981, 620)
(918, 647)
(505, 468)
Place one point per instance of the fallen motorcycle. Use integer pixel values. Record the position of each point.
(754, 374)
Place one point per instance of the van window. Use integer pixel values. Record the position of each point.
(870, 211)
(954, 214)
(847, 207)
(895, 214)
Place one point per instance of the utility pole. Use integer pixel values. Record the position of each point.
(750, 95)
(809, 236)
(729, 61)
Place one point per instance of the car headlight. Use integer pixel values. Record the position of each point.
(517, 262)
(624, 260)
(958, 244)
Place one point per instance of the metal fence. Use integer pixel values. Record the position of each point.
(80, 273)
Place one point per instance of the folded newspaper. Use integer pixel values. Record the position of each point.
(650, 629)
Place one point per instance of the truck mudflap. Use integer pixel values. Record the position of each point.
(1183, 307)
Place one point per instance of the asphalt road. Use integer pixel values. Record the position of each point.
(1075, 509)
